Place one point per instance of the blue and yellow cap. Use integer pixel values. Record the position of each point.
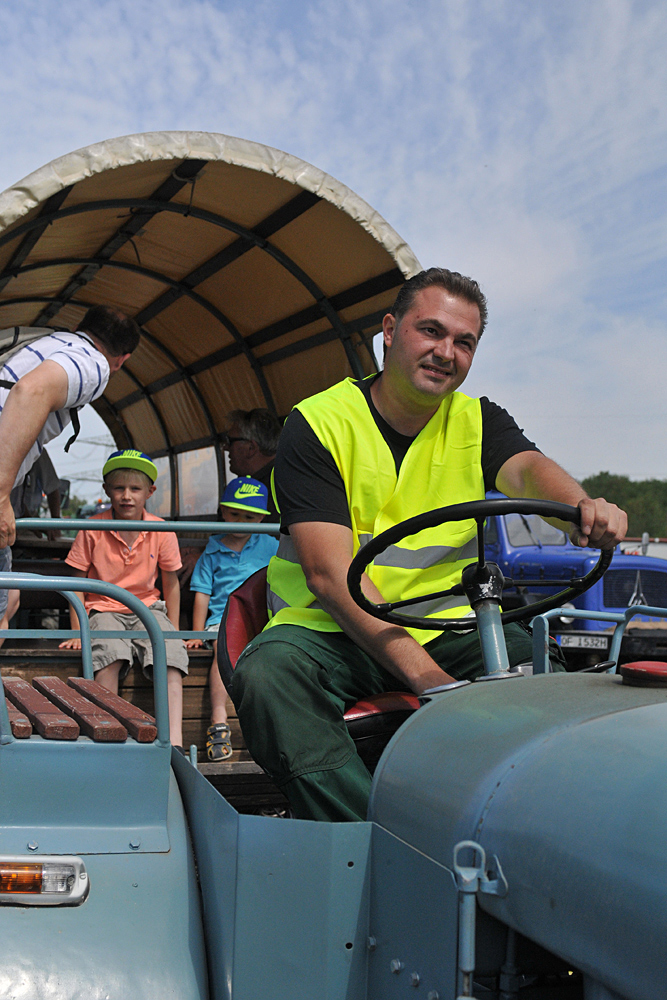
(130, 459)
(244, 493)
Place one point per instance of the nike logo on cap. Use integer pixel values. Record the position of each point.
(247, 490)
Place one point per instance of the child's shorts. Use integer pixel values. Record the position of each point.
(106, 651)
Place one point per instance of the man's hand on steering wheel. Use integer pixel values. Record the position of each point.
(603, 525)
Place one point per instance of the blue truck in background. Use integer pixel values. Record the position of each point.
(538, 559)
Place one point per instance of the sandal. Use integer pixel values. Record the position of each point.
(219, 741)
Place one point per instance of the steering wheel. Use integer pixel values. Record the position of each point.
(479, 510)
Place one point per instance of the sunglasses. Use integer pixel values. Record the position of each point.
(228, 441)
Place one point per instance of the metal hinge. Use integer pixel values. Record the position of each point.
(471, 879)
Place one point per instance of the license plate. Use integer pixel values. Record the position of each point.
(583, 641)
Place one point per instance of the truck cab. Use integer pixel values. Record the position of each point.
(538, 559)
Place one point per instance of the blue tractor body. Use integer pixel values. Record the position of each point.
(139, 931)
(514, 847)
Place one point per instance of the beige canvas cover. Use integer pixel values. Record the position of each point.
(257, 279)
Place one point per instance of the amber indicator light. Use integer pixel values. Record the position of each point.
(20, 878)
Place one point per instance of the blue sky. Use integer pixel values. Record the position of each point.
(523, 142)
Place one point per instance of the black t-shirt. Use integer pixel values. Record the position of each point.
(310, 487)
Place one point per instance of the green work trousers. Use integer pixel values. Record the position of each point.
(291, 688)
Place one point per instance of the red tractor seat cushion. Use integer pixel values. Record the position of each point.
(381, 704)
(644, 673)
(245, 616)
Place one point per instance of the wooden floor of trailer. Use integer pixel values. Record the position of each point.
(242, 782)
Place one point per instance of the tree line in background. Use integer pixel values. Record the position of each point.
(645, 501)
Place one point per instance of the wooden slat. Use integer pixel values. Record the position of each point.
(49, 722)
(16, 664)
(20, 723)
(97, 724)
(196, 677)
(140, 725)
(18, 652)
(226, 768)
(29, 666)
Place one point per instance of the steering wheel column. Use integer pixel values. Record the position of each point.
(482, 583)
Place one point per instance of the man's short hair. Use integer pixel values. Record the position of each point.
(258, 425)
(115, 331)
(452, 282)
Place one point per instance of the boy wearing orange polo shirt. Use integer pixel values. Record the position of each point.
(131, 559)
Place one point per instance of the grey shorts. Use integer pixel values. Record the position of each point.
(5, 567)
(214, 629)
(106, 651)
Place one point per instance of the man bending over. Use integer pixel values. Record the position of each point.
(52, 378)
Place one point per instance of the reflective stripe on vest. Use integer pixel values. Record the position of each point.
(441, 467)
(429, 555)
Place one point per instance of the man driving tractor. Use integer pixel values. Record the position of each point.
(353, 461)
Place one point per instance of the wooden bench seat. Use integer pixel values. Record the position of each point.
(239, 779)
(32, 659)
(242, 782)
(47, 718)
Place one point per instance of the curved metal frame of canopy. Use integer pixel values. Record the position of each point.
(256, 278)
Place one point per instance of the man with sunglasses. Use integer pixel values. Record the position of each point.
(252, 442)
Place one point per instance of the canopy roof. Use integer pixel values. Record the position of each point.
(256, 278)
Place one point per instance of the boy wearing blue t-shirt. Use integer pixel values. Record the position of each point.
(227, 561)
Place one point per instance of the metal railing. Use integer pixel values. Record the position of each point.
(68, 587)
(111, 524)
(21, 581)
(620, 619)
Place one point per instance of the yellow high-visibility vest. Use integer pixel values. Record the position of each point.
(443, 466)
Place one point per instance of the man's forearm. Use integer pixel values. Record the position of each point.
(531, 474)
(540, 479)
(19, 428)
(392, 647)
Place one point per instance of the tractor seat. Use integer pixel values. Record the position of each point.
(371, 722)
